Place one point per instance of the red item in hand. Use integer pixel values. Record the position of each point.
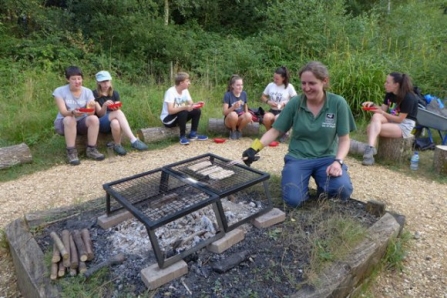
(115, 105)
(86, 110)
(373, 108)
(274, 144)
(198, 105)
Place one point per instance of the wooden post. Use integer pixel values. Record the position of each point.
(396, 150)
(80, 246)
(56, 254)
(74, 260)
(61, 271)
(440, 159)
(82, 267)
(14, 155)
(66, 241)
(88, 244)
(153, 134)
(60, 245)
(54, 268)
(216, 125)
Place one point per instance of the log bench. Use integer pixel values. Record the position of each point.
(153, 134)
(103, 139)
(440, 159)
(14, 155)
(217, 126)
(395, 149)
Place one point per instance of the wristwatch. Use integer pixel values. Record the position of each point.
(340, 161)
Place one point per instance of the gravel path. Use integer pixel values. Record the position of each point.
(422, 202)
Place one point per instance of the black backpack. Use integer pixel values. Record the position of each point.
(421, 99)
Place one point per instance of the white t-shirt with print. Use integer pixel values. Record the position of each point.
(179, 100)
(279, 94)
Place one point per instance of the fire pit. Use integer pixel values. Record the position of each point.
(214, 174)
(162, 196)
(157, 198)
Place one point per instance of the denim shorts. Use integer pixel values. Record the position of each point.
(104, 124)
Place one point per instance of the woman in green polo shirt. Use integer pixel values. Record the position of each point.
(321, 122)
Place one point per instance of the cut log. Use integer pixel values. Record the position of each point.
(82, 254)
(61, 271)
(74, 260)
(60, 245)
(85, 235)
(14, 155)
(114, 260)
(217, 126)
(82, 267)
(395, 150)
(153, 134)
(56, 254)
(66, 242)
(54, 268)
(357, 148)
(440, 159)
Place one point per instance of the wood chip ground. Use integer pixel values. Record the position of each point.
(422, 202)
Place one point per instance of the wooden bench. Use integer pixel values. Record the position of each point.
(153, 134)
(395, 149)
(217, 126)
(103, 139)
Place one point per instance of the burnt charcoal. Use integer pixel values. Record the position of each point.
(230, 262)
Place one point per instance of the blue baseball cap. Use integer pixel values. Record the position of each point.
(103, 76)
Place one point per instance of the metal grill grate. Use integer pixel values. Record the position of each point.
(241, 178)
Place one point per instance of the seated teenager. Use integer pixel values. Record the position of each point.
(178, 109)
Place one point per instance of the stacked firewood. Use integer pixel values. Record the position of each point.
(70, 252)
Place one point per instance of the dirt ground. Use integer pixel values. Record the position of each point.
(422, 202)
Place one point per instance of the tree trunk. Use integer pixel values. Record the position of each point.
(216, 125)
(395, 150)
(166, 12)
(152, 134)
(440, 160)
(14, 155)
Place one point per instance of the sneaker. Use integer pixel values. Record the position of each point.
(93, 153)
(193, 136)
(139, 145)
(119, 149)
(368, 156)
(238, 134)
(72, 155)
(184, 141)
(233, 135)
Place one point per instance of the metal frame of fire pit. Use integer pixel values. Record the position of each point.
(243, 178)
(156, 198)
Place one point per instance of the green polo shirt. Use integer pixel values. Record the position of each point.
(314, 137)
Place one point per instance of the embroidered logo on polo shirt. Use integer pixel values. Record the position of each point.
(329, 120)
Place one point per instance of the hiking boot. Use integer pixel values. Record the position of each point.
(233, 135)
(139, 145)
(368, 156)
(72, 155)
(93, 153)
(119, 149)
(184, 140)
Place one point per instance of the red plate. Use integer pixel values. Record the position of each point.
(369, 108)
(115, 105)
(219, 141)
(198, 105)
(274, 144)
(86, 110)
